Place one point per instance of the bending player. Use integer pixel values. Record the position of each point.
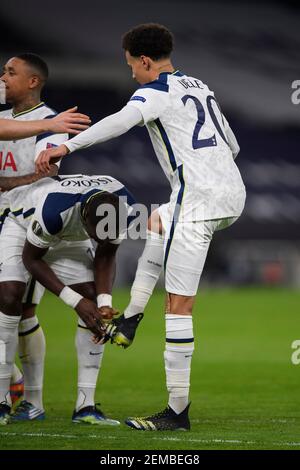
(193, 143)
(58, 253)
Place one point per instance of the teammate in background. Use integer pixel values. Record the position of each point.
(58, 253)
(195, 147)
(67, 122)
(24, 77)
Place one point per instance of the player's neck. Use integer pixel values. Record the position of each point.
(26, 104)
(164, 66)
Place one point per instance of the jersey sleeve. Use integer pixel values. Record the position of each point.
(37, 232)
(112, 126)
(151, 100)
(38, 236)
(48, 140)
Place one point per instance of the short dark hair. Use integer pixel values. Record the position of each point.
(36, 62)
(150, 39)
(94, 202)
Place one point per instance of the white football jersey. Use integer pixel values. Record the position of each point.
(187, 130)
(4, 208)
(17, 157)
(50, 209)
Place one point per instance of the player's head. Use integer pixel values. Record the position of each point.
(147, 46)
(24, 75)
(100, 217)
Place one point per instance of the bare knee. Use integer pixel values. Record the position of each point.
(180, 304)
(11, 297)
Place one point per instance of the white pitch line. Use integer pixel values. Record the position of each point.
(291, 444)
(246, 421)
(152, 438)
(205, 441)
(63, 436)
(227, 441)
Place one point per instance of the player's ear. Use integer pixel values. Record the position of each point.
(145, 62)
(34, 82)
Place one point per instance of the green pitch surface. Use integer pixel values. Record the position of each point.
(245, 390)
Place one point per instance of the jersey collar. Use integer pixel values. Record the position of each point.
(28, 110)
(177, 73)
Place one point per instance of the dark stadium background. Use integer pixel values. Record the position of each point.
(248, 53)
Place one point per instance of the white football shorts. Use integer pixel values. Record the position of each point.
(185, 250)
(72, 262)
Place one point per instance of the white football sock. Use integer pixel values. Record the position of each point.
(178, 356)
(89, 357)
(149, 268)
(16, 374)
(32, 348)
(8, 347)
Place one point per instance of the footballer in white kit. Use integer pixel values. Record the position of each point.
(196, 149)
(191, 140)
(17, 158)
(49, 215)
(48, 233)
(24, 77)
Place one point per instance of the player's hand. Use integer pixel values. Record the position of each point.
(42, 163)
(107, 314)
(90, 314)
(69, 122)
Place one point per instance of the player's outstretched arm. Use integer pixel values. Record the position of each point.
(106, 129)
(69, 122)
(10, 182)
(41, 271)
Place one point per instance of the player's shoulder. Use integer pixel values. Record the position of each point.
(160, 84)
(43, 111)
(155, 93)
(52, 208)
(50, 201)
(6, 114)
